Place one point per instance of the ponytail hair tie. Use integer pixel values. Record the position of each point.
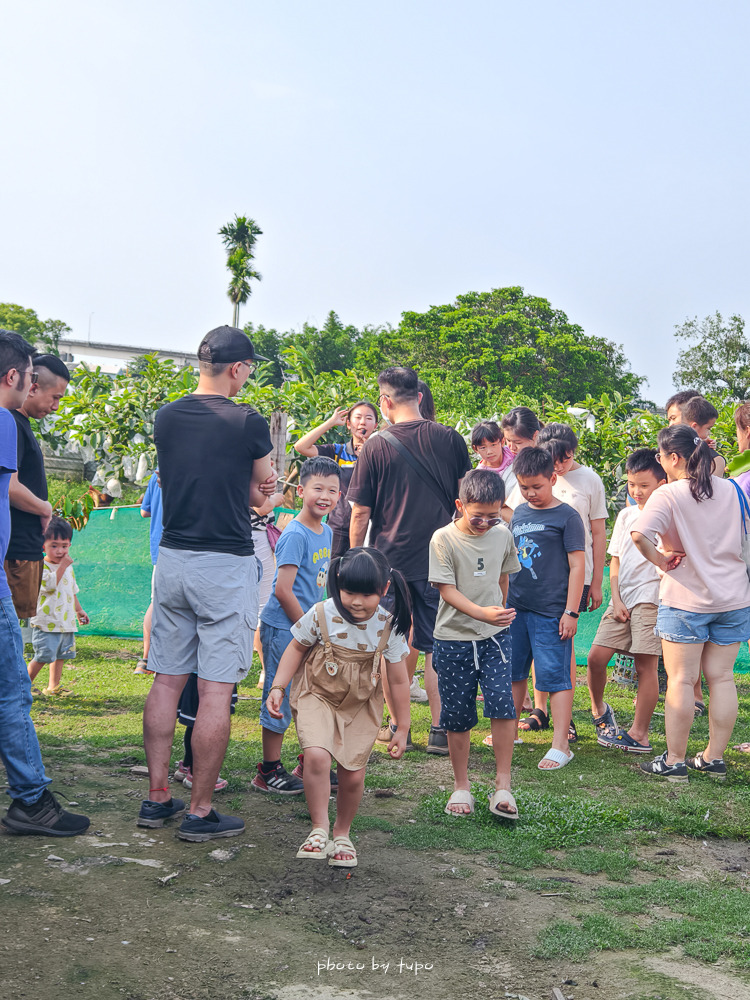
(696, 441)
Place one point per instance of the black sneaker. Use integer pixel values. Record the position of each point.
(45, 816)
(437, 741)
(210, 827)
(715, 768)
(153, 814)
(672, 772)
(279, 781)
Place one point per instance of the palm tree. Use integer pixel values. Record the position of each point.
(239, 239)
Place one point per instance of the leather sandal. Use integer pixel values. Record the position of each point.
(536, 720)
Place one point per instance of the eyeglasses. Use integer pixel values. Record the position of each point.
(383, 395)
(34, 375)
(477, 522)
(250, 365)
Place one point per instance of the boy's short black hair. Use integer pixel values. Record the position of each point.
(559, 448)
(403, 384)
(485, 430)
(534, 462)
(481, 486)
(699, 411)
(644, 460)
(680, 398)
(58, 527)
(563, 432)
(318, 466)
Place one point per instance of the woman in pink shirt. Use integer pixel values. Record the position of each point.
(704, 596)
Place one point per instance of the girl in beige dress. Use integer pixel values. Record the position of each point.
(335, 660)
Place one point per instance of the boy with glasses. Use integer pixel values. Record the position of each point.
(470, 562)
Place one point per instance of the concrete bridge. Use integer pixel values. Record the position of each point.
(75, 351)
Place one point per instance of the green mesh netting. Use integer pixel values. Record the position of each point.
(113, 570)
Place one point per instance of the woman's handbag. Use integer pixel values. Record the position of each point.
(745, 515)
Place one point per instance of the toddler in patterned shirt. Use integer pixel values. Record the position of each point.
(58, 613)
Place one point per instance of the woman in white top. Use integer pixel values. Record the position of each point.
(704, 595)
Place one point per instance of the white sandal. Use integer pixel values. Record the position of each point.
(461, 797)
(317, 838)
(504, 796)
(342, 845)
(558, 756)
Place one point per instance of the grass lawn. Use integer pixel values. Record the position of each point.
(633, 858)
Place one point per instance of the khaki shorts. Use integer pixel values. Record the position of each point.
(205, 614)
(633, 636)
(25, 582)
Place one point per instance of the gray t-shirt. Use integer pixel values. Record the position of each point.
(544, 537)
(474, 565)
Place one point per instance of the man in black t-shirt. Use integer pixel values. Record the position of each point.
(407, 498)
(30, 511)
(214, 463)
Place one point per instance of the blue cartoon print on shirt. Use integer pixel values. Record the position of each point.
(528, 550)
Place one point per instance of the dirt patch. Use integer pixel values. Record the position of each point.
(137, 914)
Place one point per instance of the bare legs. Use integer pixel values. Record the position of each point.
(210, 736)
(503, 733)
(646, 668)
(55, 672)
(683, 662)
(317, 779)
(147, 630)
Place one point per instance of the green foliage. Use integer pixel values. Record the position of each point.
(112, 417)
(504, 339)
(332, 348)
(718, 362)
(44, 334)
(71, 501)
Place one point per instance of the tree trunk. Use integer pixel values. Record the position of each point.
(278, 442)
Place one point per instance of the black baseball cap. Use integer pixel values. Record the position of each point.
(225, 345)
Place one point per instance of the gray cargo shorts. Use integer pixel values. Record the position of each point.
(205, 614)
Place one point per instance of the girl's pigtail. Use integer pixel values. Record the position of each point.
(401, 604)
(332, 584)
(700, 471)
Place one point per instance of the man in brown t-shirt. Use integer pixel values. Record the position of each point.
(405, 483)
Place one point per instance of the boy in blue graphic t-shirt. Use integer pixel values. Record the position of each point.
(546, 593)
(303, 553)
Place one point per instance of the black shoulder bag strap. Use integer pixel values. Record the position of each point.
(422, 470)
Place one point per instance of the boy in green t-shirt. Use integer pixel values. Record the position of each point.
(470, 560)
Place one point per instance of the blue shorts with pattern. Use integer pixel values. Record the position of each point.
(461, 668)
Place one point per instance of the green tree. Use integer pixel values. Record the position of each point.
(239, 238)
(44, 334)
(718, 360)
(503, 339)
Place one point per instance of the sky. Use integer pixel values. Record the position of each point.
(395, 155)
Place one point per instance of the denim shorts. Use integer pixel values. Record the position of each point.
(723, 628)
(274, 641)
(537, 637)
(51, 646)
(424, 607)
(460, 668)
